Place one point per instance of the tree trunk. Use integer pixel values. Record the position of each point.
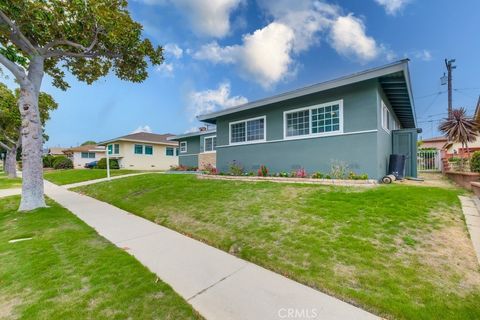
(32, 139)
(11, 163)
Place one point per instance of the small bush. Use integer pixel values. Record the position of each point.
(318, 175)
(48, 161)
(183, 168)
(209, 169)
(263, 171)
(475, 162)
(454, 159)
(353, 176)
(301, 173)
(338, 169)
(62, 163)
(102, 164)
(236, 169)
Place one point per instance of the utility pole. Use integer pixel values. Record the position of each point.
(450, 67)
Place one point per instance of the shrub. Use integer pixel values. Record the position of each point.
(318, 175)
(301, 173)
(102, 164)
(236, 169)
(263, 171)
(338, 169)
(282, 174)
(48, 161)
(62, 163)
(475, 162)
(454, 159)
(353, 176)
(209, 169)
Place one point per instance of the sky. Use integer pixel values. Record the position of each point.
(221, 53)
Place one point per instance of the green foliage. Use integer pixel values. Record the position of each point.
(102, 38)
(74, 175)
(88, 142)
(102, 164)
(62, 163)
(318, 175)
(370, 246)
(475, 162)
(68, 271)
(48, 161)
(183, 168)
(263, 171)
(236, 169)
(353, 176)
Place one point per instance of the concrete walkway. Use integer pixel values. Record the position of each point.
(218, 285)
(470, 208)
(10, 192)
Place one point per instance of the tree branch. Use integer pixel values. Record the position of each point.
(64, 42)
(17, 71)
(60, 53)
(4, 146)
(17, 37)
(8, 138)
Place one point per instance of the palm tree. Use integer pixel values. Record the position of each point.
(460, 128)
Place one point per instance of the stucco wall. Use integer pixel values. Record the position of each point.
(157, 161)
(190, 160)
(357, 146)
(79, 162)
(208, 158)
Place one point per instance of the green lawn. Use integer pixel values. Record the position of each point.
(67, 271)
(398, 251)
(62, 177)
(7, 183)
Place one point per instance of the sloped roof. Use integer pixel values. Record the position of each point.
(56, 150)
(144, 137)
(86, 148)
(192, 134)
(394, 79)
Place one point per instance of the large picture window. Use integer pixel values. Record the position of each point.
(88, 155)
(210, 144)
(250, 130)
(316, 120)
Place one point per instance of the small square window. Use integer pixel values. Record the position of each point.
(183, 147)
(148, 150)
(138, 149)
(169, 151)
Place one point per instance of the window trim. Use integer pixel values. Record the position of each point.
(113, 149)
(145, 149)
(88, 153)
(186, 146)
(135, 149)
(310, 108)
(264, 117)
(209, 137)
(384, 107)
(170, 155)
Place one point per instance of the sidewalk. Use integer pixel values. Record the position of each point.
(470, 208)
(10, 192)
(218, 285)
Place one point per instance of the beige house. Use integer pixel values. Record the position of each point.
(143, 151)
(82, 155)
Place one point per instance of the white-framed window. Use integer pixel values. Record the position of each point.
(113, 148)
(170, 151)
(385, 117)
(210, 144)
(248, 130)
(183, 146)
(317, 120)
(88, 155)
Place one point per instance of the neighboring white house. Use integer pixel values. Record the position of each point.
(82, 155)
(143, 151)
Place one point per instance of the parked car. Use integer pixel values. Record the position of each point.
(91, 165)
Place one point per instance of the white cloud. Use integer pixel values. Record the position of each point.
(423, 55)
(392, 6)
(207, 18)
(174, 50)
(202, 102)
(268, 54)
(263, 56)
(166, 69)
(145, 128)
(348, 38)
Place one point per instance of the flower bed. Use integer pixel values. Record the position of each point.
(337, 182)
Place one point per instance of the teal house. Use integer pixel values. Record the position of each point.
(197, 149)
(357, 120)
